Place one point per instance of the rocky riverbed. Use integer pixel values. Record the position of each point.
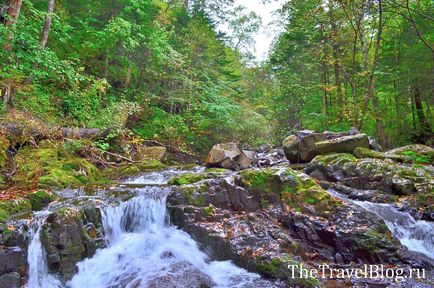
(180, 227)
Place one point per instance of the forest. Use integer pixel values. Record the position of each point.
(164, 69)
(216, 143)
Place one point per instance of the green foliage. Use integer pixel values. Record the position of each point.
(417, 158)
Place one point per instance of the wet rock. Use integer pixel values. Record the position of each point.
(12, 259)
(182, 274)
(345, 144)
(69, 236)
(10, 280)
(271, 157)
(228, 156)
(265, 219)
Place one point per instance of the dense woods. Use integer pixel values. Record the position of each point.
(165, 70)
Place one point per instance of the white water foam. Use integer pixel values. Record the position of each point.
(416, 235)
(143, 247)
(39, 277)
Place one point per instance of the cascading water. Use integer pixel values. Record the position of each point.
(143, 247)
(39, 277)
(416, 235)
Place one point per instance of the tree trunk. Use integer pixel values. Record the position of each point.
(12, 19)
(47, 25)
(128, 78)
(336, 62)
(423, 122)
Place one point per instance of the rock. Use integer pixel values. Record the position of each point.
(265, 219)
(252, 155)
(12, 259)
(291, 148)
(271, 157)
(10, 280)
(152, 153)
(228, 156)
(362, 152)
(374, 145)
(385, 175)
(415, 153)
(68, 236)
(345, 144)
(182, 274)
(301, 148)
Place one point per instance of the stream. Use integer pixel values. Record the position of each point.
(416, 235)
(143, 250)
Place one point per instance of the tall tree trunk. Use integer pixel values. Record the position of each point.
(128, 77)
(423, 122)
(336, 60)
(47, 25)
(10, 23)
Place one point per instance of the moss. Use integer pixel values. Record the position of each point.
(133, 169)
(11, 207)
(263, 180)
(282, 268)
(216, 170)
(335, 159)
(51, 165)
(297, 191)
(193, 196)
(4, 145)
(40, 199)
(361, 152)
(187, 178)
(270, 268)
(209, 211)
(3, 215)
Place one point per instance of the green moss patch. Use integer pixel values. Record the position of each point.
(296, 191)
(187, 178)
(4, 145)
(40, 199)
(52, 166)
(11, 207)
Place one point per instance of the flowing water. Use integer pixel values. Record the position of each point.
(143, 249)
(416, 235)
(37, 257)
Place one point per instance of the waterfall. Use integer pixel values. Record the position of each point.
(143, 247)
(39, 277)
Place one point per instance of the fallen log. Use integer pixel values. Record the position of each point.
(21, 133)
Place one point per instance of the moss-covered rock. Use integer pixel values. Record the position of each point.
(294, 190)
(40, 199)
(187, 178)
(361, 152)
(133, 169)
(415, 153)
(15, 206)
(51, 165)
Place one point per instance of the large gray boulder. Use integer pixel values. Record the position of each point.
(300, 148)
(345, 144)
(228, 156)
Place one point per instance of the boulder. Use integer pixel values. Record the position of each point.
(228, 156)
(152, 152)
(345, 144)
(414, 153)
(300, 148)
(70, 235)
